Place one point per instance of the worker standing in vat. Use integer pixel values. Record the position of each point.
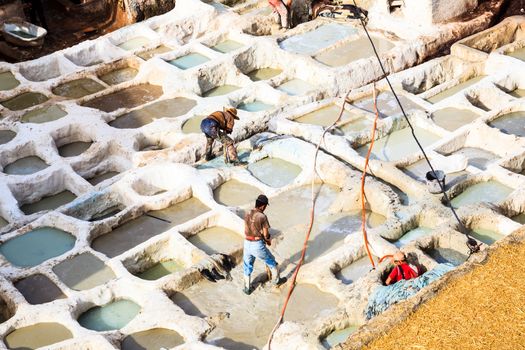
(402, 270)
(257, 237)
(280, 12)
(217, 126)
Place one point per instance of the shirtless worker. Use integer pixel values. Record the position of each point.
(217, 126)
(257, 237)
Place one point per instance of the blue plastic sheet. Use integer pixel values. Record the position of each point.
(385, 296)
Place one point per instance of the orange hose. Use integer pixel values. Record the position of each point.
(385, 257)
(363, 206)
(310, 226)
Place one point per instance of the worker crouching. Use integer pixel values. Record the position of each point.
(402, 270)
(257, 237)
(217, 126)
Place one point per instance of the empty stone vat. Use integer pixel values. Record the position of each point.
(170, 108)
(112, 316)
(38, 289)
(48, 202)
(78, 88)
(95, 180)
(25, 166)
(106, 213)
(37, 336)
(36, 246)
(127, 98)
(84, 271)
(152, 339)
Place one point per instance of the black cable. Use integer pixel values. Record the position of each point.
(471, 242)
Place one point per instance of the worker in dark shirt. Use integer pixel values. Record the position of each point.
(402, 270)
(257, 237)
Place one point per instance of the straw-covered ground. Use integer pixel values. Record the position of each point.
(484, 309)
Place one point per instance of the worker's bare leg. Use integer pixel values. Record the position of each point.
(281, 8)
(230, 153)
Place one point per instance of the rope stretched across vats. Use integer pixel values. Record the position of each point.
(471, 242)
(310, 226)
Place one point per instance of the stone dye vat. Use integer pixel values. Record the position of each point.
(38, 289)
(148, 54)
(84, 271)
(152, 339)
(519, 54)
(519, 218)
(338, 336)
(73, 149)
(274, 172)
(106, 213)
(329, 230)
(264, 73)
(227, 46)
(324, 116)
(447, 255)
(451, 118)
(490, 192)
(181, 212)
(518, 93)
(477, 157)
(37, 246)
(8, 81)
(127, 98)
(170, 108)
(95, 180)
(78, 88)
(189, 61)
(37, 336)
(134, 43)
(511, 123)
(387, 105)
(6, 136)
(419, 169)
(25, 100)
(161, 269)
(129, 235)
(352, 51)
(355, 270)
(454, 90)
(44, 115)
(248, 330)
(412, 235)
(233, 193)
(310, 42)
(216, 239)
(254, 106)
(399, 144)
(295, 87)
(486, 236)
(25, 166)
(193, 125)
(112, 316)
(120, 75)
(48, 202)
(220, 90)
